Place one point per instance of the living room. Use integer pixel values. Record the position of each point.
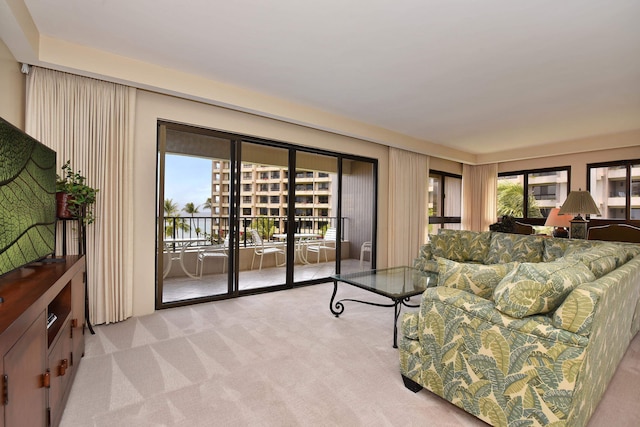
(183, 97)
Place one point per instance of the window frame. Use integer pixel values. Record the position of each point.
(526, 172)
(628, 164)
(442, 220)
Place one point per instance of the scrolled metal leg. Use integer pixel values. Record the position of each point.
(339, 307)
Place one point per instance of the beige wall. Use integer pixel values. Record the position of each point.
(12, 84)
(443, 165)
(150, 107)
(577, 161)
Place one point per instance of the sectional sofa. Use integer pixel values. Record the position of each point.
(521, 330)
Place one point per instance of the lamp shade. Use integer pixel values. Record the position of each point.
(579, 202)
(555, 219)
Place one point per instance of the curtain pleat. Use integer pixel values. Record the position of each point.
(90, 122)
(479, 196)
(408, 213)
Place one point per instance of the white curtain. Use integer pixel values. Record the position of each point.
(90, 122)
(479, 196)
(408, 212)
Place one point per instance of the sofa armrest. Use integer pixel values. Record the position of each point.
(495, 367)
(409, 326)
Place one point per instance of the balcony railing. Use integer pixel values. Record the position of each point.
(215, 229)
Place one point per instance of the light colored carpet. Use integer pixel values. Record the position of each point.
(276, 359)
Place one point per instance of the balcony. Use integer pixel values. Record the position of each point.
(180, 280)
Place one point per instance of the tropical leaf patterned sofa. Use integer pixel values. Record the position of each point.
(522, 330)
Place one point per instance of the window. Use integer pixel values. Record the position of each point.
(445, 199)
(546, 189)
(615, 187)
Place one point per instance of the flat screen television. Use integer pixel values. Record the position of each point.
(27, 199)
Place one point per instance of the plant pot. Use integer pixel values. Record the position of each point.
(62, 205)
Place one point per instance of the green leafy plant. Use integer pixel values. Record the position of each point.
(80, 197)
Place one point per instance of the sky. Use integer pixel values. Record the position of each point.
(188, 179)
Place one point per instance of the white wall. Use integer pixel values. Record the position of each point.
(12, 84)
(152, 107)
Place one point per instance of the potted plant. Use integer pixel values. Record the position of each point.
(74, 198)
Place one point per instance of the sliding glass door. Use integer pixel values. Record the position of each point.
(238, 215)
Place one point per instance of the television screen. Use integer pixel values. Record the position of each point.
(27, 199)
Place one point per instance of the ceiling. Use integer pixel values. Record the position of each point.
(476, 76)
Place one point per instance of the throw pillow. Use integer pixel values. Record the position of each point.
(514, 247)
(538, 288)
(474, 245)
(444, 245)
(478, 279)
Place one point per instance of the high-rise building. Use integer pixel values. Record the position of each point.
(264, 192)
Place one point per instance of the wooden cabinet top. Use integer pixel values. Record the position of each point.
(31, 288)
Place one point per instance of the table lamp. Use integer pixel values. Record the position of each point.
(560, 223)
(579, 202)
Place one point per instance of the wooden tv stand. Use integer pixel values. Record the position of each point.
(39, 361)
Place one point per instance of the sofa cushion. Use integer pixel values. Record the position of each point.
(538, 288)
(514, 247)
(469, 245)
(479, 279)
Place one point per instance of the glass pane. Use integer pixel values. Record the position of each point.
(511, 196)
(435, 195)
(315, 225)
(358, 206)
(547, 190)
(452, 196)
(609, 189)
(193, 253)
(262, 254)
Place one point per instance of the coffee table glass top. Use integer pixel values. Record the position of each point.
(396, 282)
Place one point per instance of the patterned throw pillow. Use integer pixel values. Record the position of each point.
(601, 259)
(444, 245)
(554, 248)
(514, 247)
(538, 288)
(576, 313)
(478, 279)
(474, 245)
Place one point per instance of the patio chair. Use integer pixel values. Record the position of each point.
(324, 245)
(365, 248)
(260, 249)
(214, 251)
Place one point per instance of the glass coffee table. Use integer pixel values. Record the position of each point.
(398, 284)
